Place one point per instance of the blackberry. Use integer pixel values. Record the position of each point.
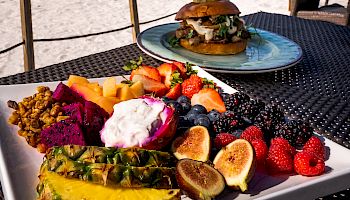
(234, 100)
(268, 118)
(228, 123)
(221, 125)
(297, 132)
(249, 110)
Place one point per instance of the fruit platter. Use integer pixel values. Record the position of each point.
(171, 131)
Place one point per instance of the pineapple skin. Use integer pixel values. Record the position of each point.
(113, 175)
(124, 156)
(56, 187)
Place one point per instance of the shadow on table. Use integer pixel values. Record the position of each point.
(258, 184)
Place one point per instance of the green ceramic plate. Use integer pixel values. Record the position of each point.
(265, 52)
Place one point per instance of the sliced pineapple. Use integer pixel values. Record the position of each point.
(53, 186)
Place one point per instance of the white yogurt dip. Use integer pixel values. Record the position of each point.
(132, 122)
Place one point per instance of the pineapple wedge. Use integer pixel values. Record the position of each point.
(53, 186)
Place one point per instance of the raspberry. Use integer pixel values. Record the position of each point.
(308, 164)
(261, 151)
(315, 145)
(279, 161)
(223, 139)
(252, 133)
(283, 144)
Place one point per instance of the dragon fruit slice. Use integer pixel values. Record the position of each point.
(63, 93)
(63, 132)
(145, 122)
(75, 111)
(94, 119)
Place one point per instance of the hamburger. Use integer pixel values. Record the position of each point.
(211, 27)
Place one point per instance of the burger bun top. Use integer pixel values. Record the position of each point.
(212, 8)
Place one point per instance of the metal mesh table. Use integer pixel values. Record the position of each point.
(317, 89)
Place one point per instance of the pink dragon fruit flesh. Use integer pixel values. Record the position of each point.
(145, 122)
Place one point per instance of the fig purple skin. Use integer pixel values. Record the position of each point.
(164, 133)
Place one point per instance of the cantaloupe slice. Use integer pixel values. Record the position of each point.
(96, 87)
(76, 79)
(85, 92)
(107, 103)
(109, 87)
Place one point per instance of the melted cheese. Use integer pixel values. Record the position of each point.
(231, 29)
(207, 32)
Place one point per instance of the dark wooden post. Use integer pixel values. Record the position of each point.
(134, 19)
(27, 35)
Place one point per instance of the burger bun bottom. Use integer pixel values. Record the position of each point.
(215, 48)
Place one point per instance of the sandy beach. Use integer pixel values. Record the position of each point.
(52, 19)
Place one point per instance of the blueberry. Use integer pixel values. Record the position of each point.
(176, 106)
(213, 115)
(186, 106)
(199, 108)
(183, 99)
(202, 120)
(191, 115)
(184, 122)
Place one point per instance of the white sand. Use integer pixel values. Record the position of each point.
(75, 17)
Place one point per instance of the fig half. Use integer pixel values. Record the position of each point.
(198, 179)
(193, 144)
(237, 163)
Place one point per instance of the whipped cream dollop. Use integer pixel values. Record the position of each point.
(132, 122)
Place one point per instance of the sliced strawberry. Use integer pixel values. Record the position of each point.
(166, 71)
(148, 71)
(210, 99)
(192, 85)
(174, 92)
(182, 69)
(150, 85)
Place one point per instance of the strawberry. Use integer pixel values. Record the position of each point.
(223, 139)
(210, 99)
(151, 85)
(192, 85)
(308, 164)
(279, 161)
(148, 71)
(315, 145)
(182, 69)
(252, 133)
(174, 92)
(166, 71)
(136, 67)
(261, 151)
(283, 144)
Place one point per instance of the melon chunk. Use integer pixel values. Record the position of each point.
(109, 87)
(126, 93)
(137, 89)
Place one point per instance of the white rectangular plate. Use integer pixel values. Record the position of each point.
(19, 163)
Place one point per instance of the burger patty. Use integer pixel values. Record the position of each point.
(219, 30)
